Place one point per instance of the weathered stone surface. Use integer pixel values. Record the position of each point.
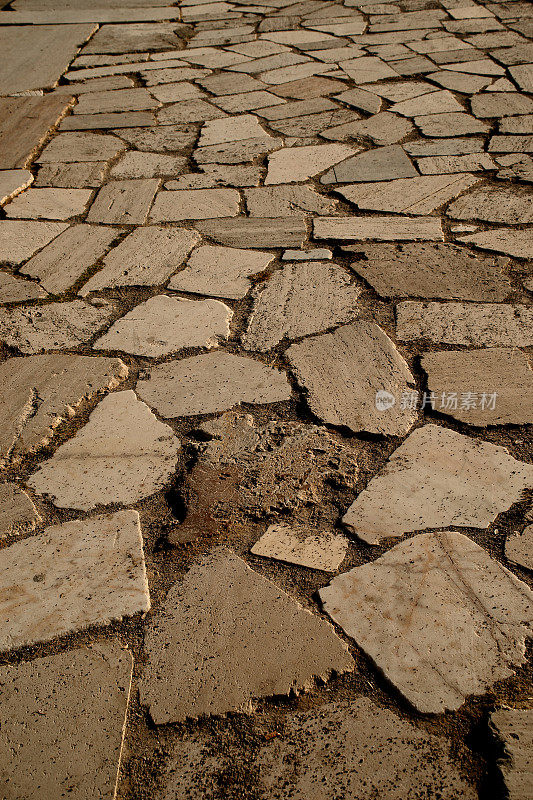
(500, 104)
(137, 99)
(256, 233)
(437, 615)
(475, 375)
(41, 391)
(82, 175)
(220, 271)
(195, 204)
(502, 204)
(315, 254)
(430, 270)
(384, 228)
(67, 147)
(164, 324)
(483, 325)
(343, 373)
(20, 240)
(57, 707)
(450, 124)
(209, 383)
(144, 258)
(17, 512)
(420, 195)
(48, 204)
(15, 290)
(25, 121)
(367, 69)
(118, 119)
(237, 152)
(324, 550)
(384, 128)
(435, 479)
(298, 300)
(53, 326)
(230, 129)
(12, 181)
(135, 164)
(214, 175)
(161, 140)
(295, 164)
(248, 640)
(136, 36)
(447, 165)
(380, 164)
(503, 240)
(123, 453)
(359, 98)
(287, 201)
(124, 202)
(514, 728)
(519, 548)
(188, 111)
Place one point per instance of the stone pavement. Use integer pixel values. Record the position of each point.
(265, 328)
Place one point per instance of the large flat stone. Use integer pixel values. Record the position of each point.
(344, 371)
(514, 729)
(324, 550)
(450, 124)
(255, 232)
(20, 240)
(132, 455)
(438, 478)
(79, 147)
(384, 128)
(195, 204)
(248, 640)
(112, 119)
(49, 203)
(25, 122)
(237, 152)
(17, 512)
(519, 548)
(136, 36)
(13, 181)
(124, 202)
(82, 175)
(296, 164)
(503, 240)
(109, 102)
(380, 164)
(135, 164)
(230, 129)
(287, 201)
(420, 195)
(437, 615)
(16, 290)
(383, 228)
(503, 204)
(500, 104)
(220, 271)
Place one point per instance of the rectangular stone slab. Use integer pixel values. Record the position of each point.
(24, 123)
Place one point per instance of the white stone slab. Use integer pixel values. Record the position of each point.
(514, 728)
(220, 271)
(296, 164)
(20, 240)
(324, 550)
(48, 203)
(381, 228)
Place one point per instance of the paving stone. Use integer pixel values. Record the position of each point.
(519, 167)
(312, 124)
(298, 300)
(237, 152)
(53, 326)
(384, 228)
(358, 98)
(247, 101)
(238, 649)
(439, 165)
(80, 573)
(460, 82)
(297, 108)
(135, 36)
(444, 147)
(48, 204)
(286, 201)
(343, 372)
(20, 240)
(306, 88)
(17, 512)
(220, 271)
(500, 104)
(56, 707)
(295, 164)
(170, 206)
(210, 383)
(164, 139)
(420, 195)
(514, 728)
(13, 181)
(381, 164)
(132, 455)
(367, 69)
(42, 391)
(231, 129)
(215, 175)
(176, 92)
(188, 111)
(173, 71)
(291, 74)
(441, 637)
(483, 325)
(519, 548)
(226, 83)
(62, 262)
(15, 290)
(147, 257)
(164, 324)
(446, 476)
(502, 204)
(450, 124)
(382, 129)
(316, 254)
(77, 147)
(510, 241)
(323, 551)
(522, 123)
(85, 175)
(255, 232)
(137, 99)
(523, 75)
(96, 85)
(124, 202)
(120, 119)
(134, 164)
(396, 91)
(438, 102)
(25, 122)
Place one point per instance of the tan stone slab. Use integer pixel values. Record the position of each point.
(220, 271)
(89, 572)
(215, 175)
(503, 204)
(382, 129)
(514, 729)
(435, 479)
(15, 290)
(382, 228)
(379, 164)
(78, 147)
(437, 165)
(437, 615)
(492, 387)
(439, 102)
(124, 202)
(230, 129)
(298, 300)
(17, 512)
(96, 85)
(85, 175)
(25, 122)
(503, 240)
(131, 455)
(188, 111)
(13, 181)
(135, 36)
(256, 233)
(134, 164)
(210, 383)
(119, 119)
(195, 204)
(137, 99)
(161, 140)
(324, 550)
(20, 240)
(248, 640)
(482, 325)
(164, 325)
(237, 152)
(57, 707)
(500, 104)
(286, 201)
(450, 124)
(53, 203)
(519, 548)
(71, 16)
(420, 195)
(296, 164)
(346, 372)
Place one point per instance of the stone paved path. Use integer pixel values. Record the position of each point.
(265, 407)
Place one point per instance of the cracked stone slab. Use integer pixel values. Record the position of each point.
(438, 478)
(20, 240)
(500, 104)
(515, 243)
(124, 202)
(215, 175)
(17, 512)
(380, 164)
(13, 181)
(478, 374)
(210, 383)
(49, 203)
(514, 728)
(295, 164)
(82, 175)
(420, 195)
(57, 707)
(437, 615)
(298, 300)
(137, 99)
(323, 550)
(188, 111)
(255, 232)
(53, 326)
(171, 206)
(135, 164)
(122, 454)
(450, 124)
(482, 325)
(136, 37)
(248, 640)
(220, 271)
(79, 147)
(344, 371)
(385, 228)
(165, 139)
(231, 129)
(503, 204)
(519, 548)
(15, 290)
(238, 152)
(164, 324)
(286, 201)
(147, 257)
(41, 391)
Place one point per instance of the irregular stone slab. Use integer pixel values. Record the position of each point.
(324, 551)
(430, 270)
(514, 728)
(65, 259)
(137, 99)
(346, 372)
(249, 642)
(359, 98)
(148, 165)
(437, 165)
(124, 202)
(519, 548)
(195, 204)
(286, 201)
(39, 392)
(483, 325)
(119, 119)
(382, 129)
(295, 164)
(164, 324)
(297, 108)
(137, 36)
(312, 124)
(132, 455)
(209, 383)
(20, 240)
(13, 181)
(237, 152)
(502, 204)
(57, 707)
(15, 290)
(17, 512)
(165, 139)
(316, 254)
(89, 572)
(447, 475)
(384, 228)
(444, 147)
(500, 104)
(381, 164)
(487, 387)
(503, 240)
(188, 111)
(420, 195)
(95, 85)
(53, 326)
(367, 69)
(48, 204)
(220, 271)
(144, 258)
(78, 147)
(438, 102)
(214, 175)
(437, 615)
(450, 124)
(25, 122)
(85, 175)
(298, 300)
(256, 233)
(231, 129)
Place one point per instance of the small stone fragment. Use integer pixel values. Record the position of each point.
(17, 512)
(220, 271)
(317, 254)
(514, 727)
(324, 550)
(295, 164)
(519, 548)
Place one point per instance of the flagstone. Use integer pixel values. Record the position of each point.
(13, 181)
(286, 201)
(294, 73)
(439, 165)
(218, 175)
(519, 548)
(119, 119)
(247, 101)
(323, 550)
(523, 75)
(297, 108)
(170, 206)
(135, 36)
(437, 615)
(175, 92)
(77, 147)
(15, 290)
(231, 129)
(252, 642)
(125, 202)
(210, 383)
(504, 204)
(438, 478)
(237, 152)
(96, 84)
(255, 232)
(306, 88)
(296, 164)
(514, 728)
(53, 203)
(444, 147)
(169, 71)
(107, 102)
(220, 271)
(312, 124)
(226, 83)
(420, 195)
(380, 164)
(359, 98)
(25, 122)
(519, 124)
(384, 228)
(56, 707)
(132, 455)
(367, 69)
(20, 240)
(396, 91)
(382, 129)
(431, 103)
(188, 111)
(85, 175)
(510, 241)
(17, 512)
(450, 124)
(133, 164)
(164, 139)
(500, 104)
(460, 82)
(89, 572)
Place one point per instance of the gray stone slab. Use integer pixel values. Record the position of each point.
(17, 512)
(383, 228)
(135, 36)
(512, 242)
(256, 233)
(514, 728)
(380, 164)
(52, 203)
(13, 181)
(85, 175)
(504, 204)
(20, 240)
(287, 201)
(77, 147)
(237, 152)
(109, 102)
(419, 195)
(121, 119)
(322, 550)
(220, 271)
(172, 206)
(382, 129)
(296, 164)
(124, 202)
(15, 290)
